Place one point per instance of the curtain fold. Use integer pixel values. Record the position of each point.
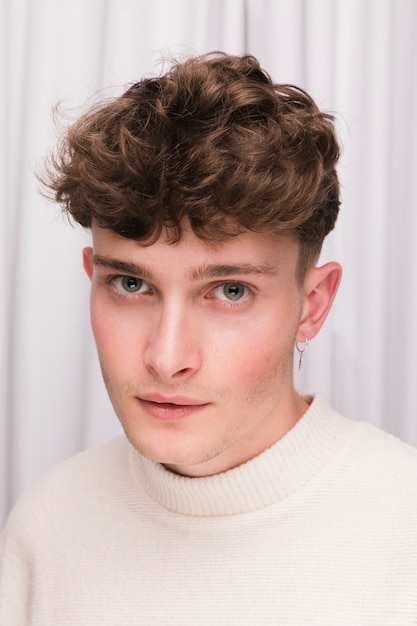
(357, 58)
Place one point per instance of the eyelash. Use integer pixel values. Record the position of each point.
(125, 296)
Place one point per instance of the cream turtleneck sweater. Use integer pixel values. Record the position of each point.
(320, 529)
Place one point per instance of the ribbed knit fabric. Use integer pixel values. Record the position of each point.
(320, 529)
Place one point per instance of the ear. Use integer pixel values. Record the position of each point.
(319, 290)
(88, 262)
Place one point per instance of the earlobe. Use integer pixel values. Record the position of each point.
(320, 288)
(88, 262)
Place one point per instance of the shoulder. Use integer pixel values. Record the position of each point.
(102, 464)
(366, 444)
(384, 449)
(369, 462)
(381, 464)
(80, 482)
(65, 523)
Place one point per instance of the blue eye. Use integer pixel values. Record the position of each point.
(233, 291)
(128, 288)
(130, 284)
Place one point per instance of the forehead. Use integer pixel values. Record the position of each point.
(263, 252)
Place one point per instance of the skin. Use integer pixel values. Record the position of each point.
(196, 342)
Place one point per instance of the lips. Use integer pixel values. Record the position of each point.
(170, 408)
(178, 400)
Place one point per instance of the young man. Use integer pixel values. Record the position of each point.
(232, 499)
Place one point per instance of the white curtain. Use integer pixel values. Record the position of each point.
(358, 58)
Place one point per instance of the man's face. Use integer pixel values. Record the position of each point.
(196, 343)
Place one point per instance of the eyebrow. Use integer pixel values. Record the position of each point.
(196, 273)
(130, 269)
(224, 270)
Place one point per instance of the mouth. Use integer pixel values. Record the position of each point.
(170, 408)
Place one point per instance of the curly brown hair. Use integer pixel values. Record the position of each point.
(214, 143)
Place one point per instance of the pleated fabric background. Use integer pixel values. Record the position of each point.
(358, 58)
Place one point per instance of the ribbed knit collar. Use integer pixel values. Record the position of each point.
(273, 475)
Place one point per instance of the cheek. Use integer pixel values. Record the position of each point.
(112, 336)
(258, 357)
(99, 322)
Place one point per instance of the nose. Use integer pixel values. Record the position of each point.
(172, 350)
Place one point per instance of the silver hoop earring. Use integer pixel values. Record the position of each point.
(301, 351)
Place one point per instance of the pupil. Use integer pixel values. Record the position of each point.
(234, 292)
(131, 284)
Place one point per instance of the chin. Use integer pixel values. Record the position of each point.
(167, 450)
